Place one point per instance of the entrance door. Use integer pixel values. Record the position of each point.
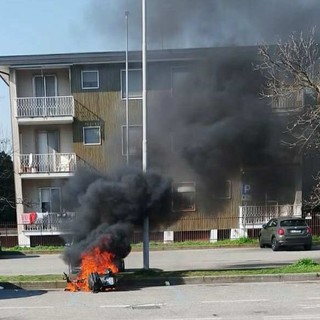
(50, 202)
(45, 89)
(48, 145)
(50, 199)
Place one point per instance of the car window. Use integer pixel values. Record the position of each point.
(293, 223)
(271, 223)
(274, 223)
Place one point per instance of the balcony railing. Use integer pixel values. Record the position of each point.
(291, 102)
(59, 106)
(44, 163)
(255, 216)
(51, 222)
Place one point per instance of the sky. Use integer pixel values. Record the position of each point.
(42, 26)
(62, 26)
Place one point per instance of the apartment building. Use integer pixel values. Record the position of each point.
(69, 111)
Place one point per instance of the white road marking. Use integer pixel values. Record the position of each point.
(117, 306)
(146, 305)
(210, 318)
(293, 317)
(234, 301)
(27, 307)
(314, 306)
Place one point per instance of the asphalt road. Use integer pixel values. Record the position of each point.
(232, 301)
(166, 260)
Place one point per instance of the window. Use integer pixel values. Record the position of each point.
(177, 142)
(45, 85)
(180, 80)
(45, 91)
(135, 83)
(90, 79)
(293, 223)
(135, 140)
(272, 223)
(50, 199)
(184, 196)
(224, 191)
(91, 135)
(47, 145)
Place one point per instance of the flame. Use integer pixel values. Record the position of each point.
(92, 261)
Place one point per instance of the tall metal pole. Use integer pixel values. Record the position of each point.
(127, 88)
(144, 130)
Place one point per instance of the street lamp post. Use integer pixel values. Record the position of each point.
(144, 130)
(127, 88)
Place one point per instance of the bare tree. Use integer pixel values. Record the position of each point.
(5, 142)
(292, 68)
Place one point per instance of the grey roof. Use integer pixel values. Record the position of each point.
(110, 57)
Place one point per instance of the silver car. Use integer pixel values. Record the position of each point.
(285, 232)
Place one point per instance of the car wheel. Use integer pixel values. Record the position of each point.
(274, 244)
(261, 244)
(307, 246)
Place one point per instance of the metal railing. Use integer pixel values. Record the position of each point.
(291, 102)
(52, 162)
(58, 106)
(59, 222)
(48, 228)
(251, 216)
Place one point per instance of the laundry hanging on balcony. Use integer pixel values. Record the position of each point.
(29, 218)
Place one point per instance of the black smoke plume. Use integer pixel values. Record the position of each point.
(218, 129)
(219, 123)
(175, 24)
(110, 207)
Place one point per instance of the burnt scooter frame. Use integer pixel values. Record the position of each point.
(102, 282)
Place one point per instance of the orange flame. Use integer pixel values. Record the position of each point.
(92, 261)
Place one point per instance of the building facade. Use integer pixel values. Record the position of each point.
(207, 130)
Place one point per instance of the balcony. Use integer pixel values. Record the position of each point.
(290, 103)
(45, 110)
(42, 165)
(48, 223)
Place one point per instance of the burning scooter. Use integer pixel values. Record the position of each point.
(97, 273)
(96, 282)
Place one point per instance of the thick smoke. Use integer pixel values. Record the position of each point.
(219, 123)
(219, 128)
(109, 207)
(201, 23)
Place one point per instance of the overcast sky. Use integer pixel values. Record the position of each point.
(60, 26)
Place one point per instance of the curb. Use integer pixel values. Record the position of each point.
(152, 282)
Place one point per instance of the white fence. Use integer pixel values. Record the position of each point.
(52, 162)
(254, 216)
(47, 221)
(58, 106)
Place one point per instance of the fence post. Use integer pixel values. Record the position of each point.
(242, 221)
(213, 235)
(168, 236)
